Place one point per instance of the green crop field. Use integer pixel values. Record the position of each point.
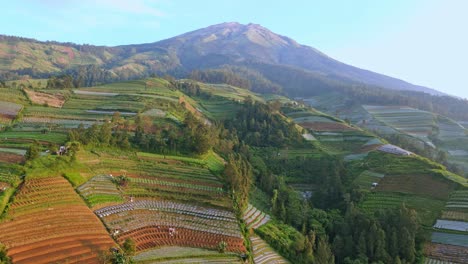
(428, 208)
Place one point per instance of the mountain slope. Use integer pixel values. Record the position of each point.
(211, 47)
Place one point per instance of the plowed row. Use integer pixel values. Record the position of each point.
(48, 222)
(157, 236)
(450, 253)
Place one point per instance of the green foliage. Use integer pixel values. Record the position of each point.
(222, 246)
(129, 247)
(290, 243)
(4, 259)
(220, 76)
(389, 235)
(257, 125)
(33, 152)
(238, 174)
(74, 178)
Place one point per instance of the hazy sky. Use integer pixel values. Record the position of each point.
(424, 42)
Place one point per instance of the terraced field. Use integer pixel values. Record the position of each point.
(176, 254)
(457, 206)
(171, 201)
(425, 185)
(264, 254)
(427, 208)
(255, 218)
(100, 190)
(447, 253)
(52, 224)
(408, 120)
(8, 111)
(367, 178)
(174, 224)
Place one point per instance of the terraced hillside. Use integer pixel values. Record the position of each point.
(165, 202)
(48, 222)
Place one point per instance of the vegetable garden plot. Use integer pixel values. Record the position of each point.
(52, 224)
(450, 239)
(264, 254)
(255, 218)
(449, 253)
(452, 225)
(100, 190)
(415, 184)
(405, 119)
(455, 215)
(158, 236)
(177, 254)
(367, 178)
(8, 111)
(150, 223)
(427, 208)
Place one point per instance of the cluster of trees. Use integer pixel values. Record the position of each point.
(113, 133)
(239, 180)
(61, 82)
(226, 76)
(391, 236)
(192, 136)
(258, 125)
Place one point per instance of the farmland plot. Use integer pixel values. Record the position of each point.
(8, 111)
(452, 225)
(408, 120)
(177, 254)
(255, 218)
(447, 253)
(264, 254)
(100, 190)
(155, 223)
(427, 208)
(450, 239)
(52, 224)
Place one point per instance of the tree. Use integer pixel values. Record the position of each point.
(33, 151)
(129, 247)
(238, 174)
(222, 246)
(324, 254)
(4, 258)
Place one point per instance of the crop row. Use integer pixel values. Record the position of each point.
(255, 218)
(168, 206)
(9, 109)
(263, 253)
(452, 225)
(61, 228)
(157, 236)
(127, 221)
(450, 239)
(177, 184)
(447, 253)
(455, 215)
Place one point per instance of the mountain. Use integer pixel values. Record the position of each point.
(235, 46)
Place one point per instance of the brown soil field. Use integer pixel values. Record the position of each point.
(158, 236)
(11, 158)
(43, 98)
(49, 223)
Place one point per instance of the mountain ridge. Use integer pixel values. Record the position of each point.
(228, 43)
